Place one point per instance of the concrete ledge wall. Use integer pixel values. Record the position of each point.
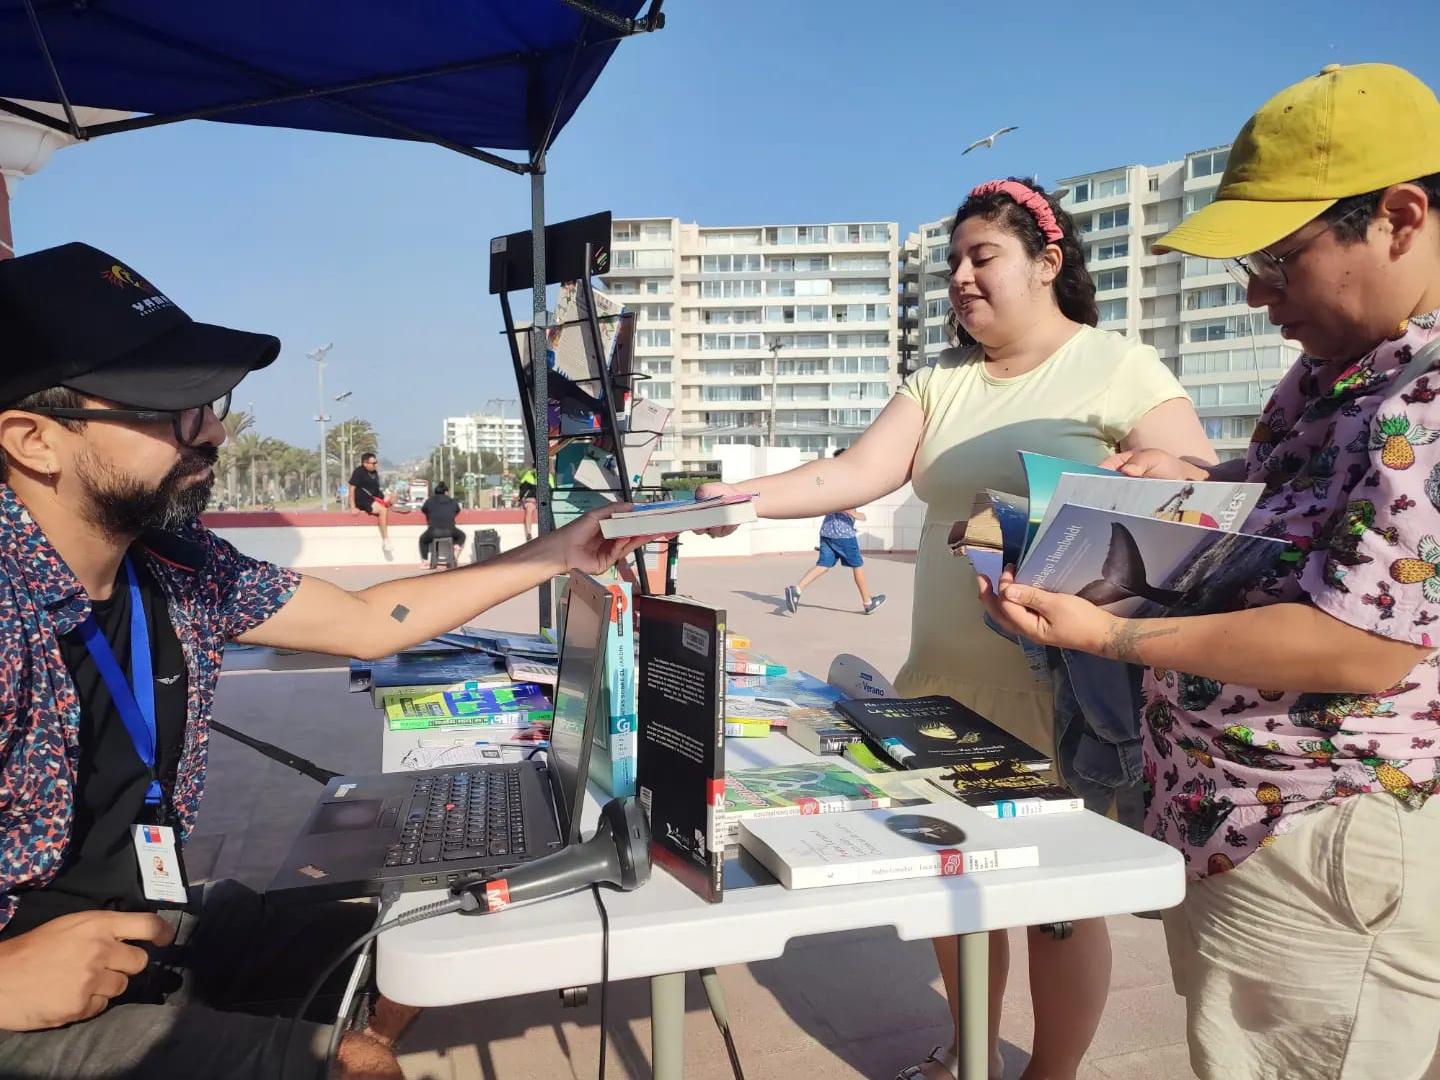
(349, 539)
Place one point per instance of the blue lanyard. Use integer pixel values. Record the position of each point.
(136, 707)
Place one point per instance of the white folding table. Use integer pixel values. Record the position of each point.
(1089, 867)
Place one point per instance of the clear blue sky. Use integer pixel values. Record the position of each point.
(744, 111)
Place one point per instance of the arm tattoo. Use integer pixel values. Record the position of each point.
(819, 481)
(1123, 640)
(400, 613)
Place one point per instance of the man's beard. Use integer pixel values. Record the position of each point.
(121, 505)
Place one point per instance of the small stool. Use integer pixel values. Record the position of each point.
(442, 548)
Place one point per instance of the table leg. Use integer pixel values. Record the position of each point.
(667, 1026)
(972, 979)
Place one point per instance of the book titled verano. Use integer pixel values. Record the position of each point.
(929, 840)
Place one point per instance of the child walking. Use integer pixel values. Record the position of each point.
(838, 544)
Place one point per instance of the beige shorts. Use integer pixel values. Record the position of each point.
(1318, 957)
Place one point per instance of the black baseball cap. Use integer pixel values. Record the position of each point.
(77, 317)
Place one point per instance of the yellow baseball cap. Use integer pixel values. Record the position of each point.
(1346, 131)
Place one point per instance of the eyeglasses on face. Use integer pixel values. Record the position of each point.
(1268, 268)
(186, 423)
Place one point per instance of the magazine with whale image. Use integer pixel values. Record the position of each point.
(1138, 547)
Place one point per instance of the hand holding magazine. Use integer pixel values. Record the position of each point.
(1135, 547)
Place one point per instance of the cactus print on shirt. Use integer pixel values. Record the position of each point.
(214, 594)
(1350, 459)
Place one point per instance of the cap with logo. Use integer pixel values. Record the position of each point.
(1346, 131)
(77, 317)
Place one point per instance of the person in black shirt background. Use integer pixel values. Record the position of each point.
(367, 497)
(440, 512)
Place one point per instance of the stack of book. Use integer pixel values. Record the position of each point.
(958, 751)
(793, 791)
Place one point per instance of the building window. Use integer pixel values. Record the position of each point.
(1115, 249)
(1211, 164)
(1111, 279)
(652, 338)
(1081, 191)
(937, 307)
(1214, 296)
(656, 391)
(656, 230)
(731, 341)
(1198, 267)
(1112, 310)
(803, 367)
(654, 312)
(655, 367)
(1235, 326)
(1112, 186)
(716, 290)
(659, 287)
(863, 262)
(1196, 200)
(1154, 182)
(729, 264)
(1112, 219)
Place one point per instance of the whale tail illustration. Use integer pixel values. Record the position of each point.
(1122, 575)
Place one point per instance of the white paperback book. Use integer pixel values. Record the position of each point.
(928, 840)
(684, 515)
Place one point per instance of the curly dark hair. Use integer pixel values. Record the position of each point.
(1074, 288)
(1350, 217)
(57, 397)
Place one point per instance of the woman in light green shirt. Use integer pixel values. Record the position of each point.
(1031, 373)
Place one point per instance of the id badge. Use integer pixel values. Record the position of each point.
(161, 872)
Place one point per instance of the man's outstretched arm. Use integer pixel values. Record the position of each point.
(374, 622)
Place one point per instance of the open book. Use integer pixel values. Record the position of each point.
(1136, 547)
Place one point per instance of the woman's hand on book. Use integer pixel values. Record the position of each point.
(580, 545)
(1047, 618)
(710, 491)
(1155, 465)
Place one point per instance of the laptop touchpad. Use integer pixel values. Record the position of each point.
(345, 816)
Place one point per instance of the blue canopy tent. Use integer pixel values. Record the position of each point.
(472, 76)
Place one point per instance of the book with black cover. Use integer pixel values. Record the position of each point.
(680, 706)
(936, 731)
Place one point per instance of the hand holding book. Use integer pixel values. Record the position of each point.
(1051, 618)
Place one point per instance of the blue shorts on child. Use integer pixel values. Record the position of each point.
(842, 549)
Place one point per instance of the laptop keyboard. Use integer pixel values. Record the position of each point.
(462, 815)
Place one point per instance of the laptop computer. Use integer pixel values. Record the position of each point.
(433, 828)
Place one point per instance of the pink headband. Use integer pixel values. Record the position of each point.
(1030, 199)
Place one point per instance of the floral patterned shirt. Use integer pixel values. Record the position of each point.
(1350, 459)
(213, 593)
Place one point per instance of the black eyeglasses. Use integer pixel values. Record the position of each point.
(1268, 268)
(187, 423)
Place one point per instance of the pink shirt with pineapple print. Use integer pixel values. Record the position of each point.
(1350, 458)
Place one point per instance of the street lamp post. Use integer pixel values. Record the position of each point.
(347, 433)
(318, 355)
(775, 347)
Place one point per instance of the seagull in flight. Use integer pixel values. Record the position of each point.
(989, 141)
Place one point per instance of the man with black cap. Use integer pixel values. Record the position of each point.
(115, 607)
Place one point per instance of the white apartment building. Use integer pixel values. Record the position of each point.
(761, 334)
(502, 436)
(1227, 356)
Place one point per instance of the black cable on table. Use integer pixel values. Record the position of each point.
(604, 972)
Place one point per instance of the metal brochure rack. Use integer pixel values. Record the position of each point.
(575, 250)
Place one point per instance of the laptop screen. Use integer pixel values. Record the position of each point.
(578, 697)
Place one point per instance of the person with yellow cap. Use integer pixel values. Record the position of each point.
(1292, 745)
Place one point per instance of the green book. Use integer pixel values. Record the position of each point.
(794, 790)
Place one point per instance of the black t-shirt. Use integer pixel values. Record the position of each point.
(99, 869)
(366, 485)
(440, 512)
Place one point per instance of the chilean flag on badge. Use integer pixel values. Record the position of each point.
(152, 834)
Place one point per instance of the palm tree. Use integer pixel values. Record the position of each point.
(237, 423)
